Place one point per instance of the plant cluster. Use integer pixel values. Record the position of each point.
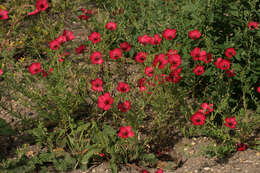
(144, 72)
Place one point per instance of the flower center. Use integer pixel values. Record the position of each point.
(125, 133)
(42, 6)
(197, 120)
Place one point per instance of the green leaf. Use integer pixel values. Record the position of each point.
(5, 128)
(113, 166)
(91, 151)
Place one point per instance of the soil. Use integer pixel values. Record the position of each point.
(193, 161)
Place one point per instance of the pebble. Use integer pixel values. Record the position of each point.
(193, 143)
(206, 168)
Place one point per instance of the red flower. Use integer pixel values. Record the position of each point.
(80, 49)
(198, 119)
(105, 101)
(44, 73)
(67, 53)
(123, 87)
(252, 25)
(199, 70)
(145, 171)
(230, 73)
(42, 5)
(161, 60)
(194, 34)
(159, 171)
(60, 59)
(149, 71)
(229, 52)
(161, 78)
(174, 76)
(36, 11)
(141, 83)
(156, 40)
(115, 53)
(172, 52)
(68, 34)
(111, 26)
(102, 155)
(125, 106)
(258, 89)
(1, 72)
(159, 152)
(241, 147)
(208, 58)
(83, 17)
(224, 64)
(231, 122)
(95, 58)
(141, 57)
(94, 37)
(207, 108)
(97, 85)
(3, 14)
(169, 34)
(145, 39)
(61, 39)
(176, 71)
(217, 62)
(50, 70)
(64, 55)
(125, 132)
(35, 68)
(125, 46)
(175, 60)
(54, 45)
(85, 11)
(198, 55)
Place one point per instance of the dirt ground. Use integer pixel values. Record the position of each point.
(193, 161)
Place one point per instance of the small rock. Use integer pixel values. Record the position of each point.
(206, 168)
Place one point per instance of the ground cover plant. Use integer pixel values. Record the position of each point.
(130, 78)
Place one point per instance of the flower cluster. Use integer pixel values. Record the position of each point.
(86, 14)
(199, 117)
(230, 122)
(66, 36)
(36, 68)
